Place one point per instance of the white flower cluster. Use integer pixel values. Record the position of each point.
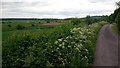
(79, 42)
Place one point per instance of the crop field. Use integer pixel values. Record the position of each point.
(10, 25)
(19, 26)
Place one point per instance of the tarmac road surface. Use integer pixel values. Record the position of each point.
(107, 47)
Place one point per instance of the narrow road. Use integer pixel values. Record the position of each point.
(107, 47)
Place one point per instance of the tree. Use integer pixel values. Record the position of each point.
(75, 21)
(117, 15)
(118, 4)
(116, 12)
(111, 19)
(88, 19)
(113, 16)
(117, 20)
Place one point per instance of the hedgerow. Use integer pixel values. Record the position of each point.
(65, 46)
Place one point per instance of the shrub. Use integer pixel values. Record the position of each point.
(33, 25)
(75, 21)
(48, 21)
(3, 22)
(10, 22)
(9, 25)
(20, 27)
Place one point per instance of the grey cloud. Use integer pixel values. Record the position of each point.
(96, 1)
(100, 11)
(16, 9)
(63, 13)
(82, 11)
(22, 4)
(40, 4)
(11, 5)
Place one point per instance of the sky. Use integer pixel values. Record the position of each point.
(55, 8)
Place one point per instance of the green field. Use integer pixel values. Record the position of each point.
(10, 26)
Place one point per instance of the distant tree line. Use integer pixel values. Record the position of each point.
(89, 19)
(92, 19)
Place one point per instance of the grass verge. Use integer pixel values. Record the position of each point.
(115, 29)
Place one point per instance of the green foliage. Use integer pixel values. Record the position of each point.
(104, 18)
(33, 25)
(88, 20)
(67, 45)
(117, 20)
(93, 19)
(116, 12)
(48, 21)
(9, 25)
(75, 21)
(111, 19)
(3, 22)
(113, 16)
(20, 27)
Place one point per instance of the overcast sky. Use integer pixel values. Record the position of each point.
(56, 8)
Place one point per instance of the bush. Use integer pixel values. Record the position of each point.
(3, 22)
(33, 25)
(9, 25)
(75, 21)
(20, 27)
(47, 21)
(10, 22)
